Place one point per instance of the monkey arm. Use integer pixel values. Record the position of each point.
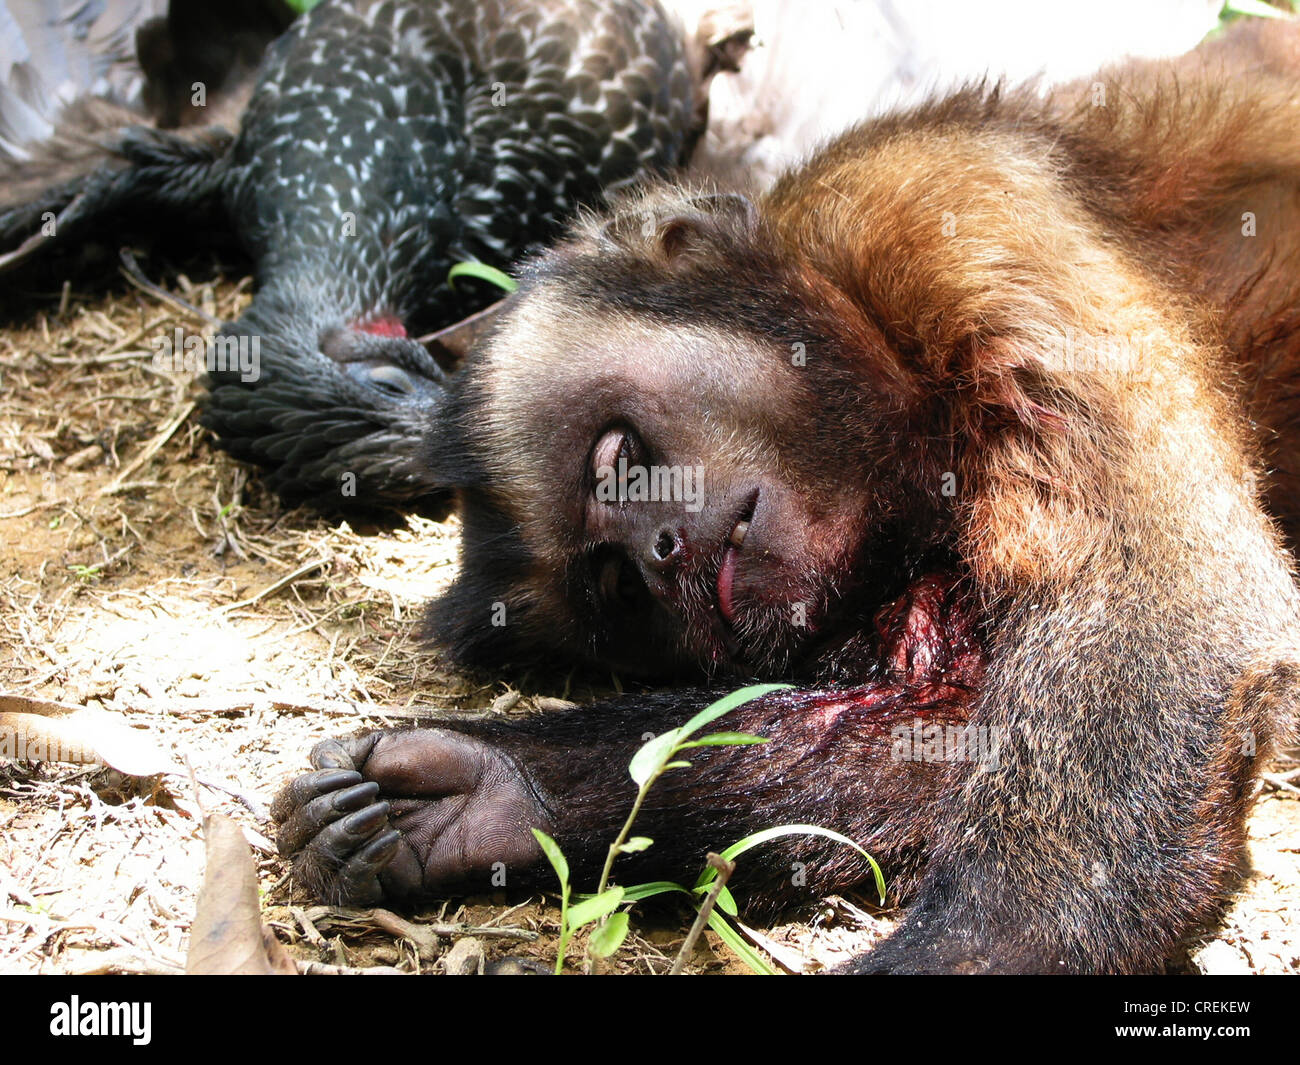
(397, 814)
(1113, 821)
(400, 814)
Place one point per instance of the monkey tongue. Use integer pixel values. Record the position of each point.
(726, 579)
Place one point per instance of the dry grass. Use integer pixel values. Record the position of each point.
(163, 585)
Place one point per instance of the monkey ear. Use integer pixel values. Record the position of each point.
(687, 228)
(720, 214)
(735, 207)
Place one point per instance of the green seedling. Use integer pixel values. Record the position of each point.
(656, 757)
(483, 272)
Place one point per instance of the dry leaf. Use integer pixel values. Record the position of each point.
(227, 937)
(36, 730)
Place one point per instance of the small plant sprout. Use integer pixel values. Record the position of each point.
(710, 894)
(604, 940)
(658, 755)
(561, 866)
(482, 272)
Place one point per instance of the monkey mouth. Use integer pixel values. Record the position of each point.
(731, 549)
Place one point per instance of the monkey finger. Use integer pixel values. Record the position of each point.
(358, 876)
(402, 874)
(344, 860)
(348, 877)
(345, 752)
(325, 812)
(302, 789)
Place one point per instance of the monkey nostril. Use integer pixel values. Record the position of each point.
(665, 545)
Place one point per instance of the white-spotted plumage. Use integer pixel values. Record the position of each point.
(381, 142)
(387, 141)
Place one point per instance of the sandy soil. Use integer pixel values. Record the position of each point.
(146, 574)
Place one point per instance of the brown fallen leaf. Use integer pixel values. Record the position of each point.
(227, 937)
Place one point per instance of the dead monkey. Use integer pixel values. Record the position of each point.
(977, 394)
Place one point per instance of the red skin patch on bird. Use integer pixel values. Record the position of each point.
(383, 326)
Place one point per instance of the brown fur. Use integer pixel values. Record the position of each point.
(1048, 305)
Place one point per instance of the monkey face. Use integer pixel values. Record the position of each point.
(659, 513)
(661, 491)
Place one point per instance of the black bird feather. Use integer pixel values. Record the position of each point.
(384, 141)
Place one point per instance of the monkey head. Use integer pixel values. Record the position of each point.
(658, 480)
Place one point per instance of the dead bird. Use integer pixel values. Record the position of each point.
(383, 142)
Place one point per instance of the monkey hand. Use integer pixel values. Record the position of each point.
(394, 815)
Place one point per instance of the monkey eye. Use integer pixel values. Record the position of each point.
(613, 445)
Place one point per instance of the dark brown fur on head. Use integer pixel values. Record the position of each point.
(905, 335)
(679, 315)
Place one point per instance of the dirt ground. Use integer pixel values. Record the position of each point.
(145, 573)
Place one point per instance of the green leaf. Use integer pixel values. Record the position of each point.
(650, 889)
(725, 705)
(740, 946)
(724, 739)
(484, 273)
(553, 855)
(635, 845)
(726, 902)
(594, 908)
(650, 759)
(710, 874)
(679, 764)
(608, 937)
(1258, 8)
